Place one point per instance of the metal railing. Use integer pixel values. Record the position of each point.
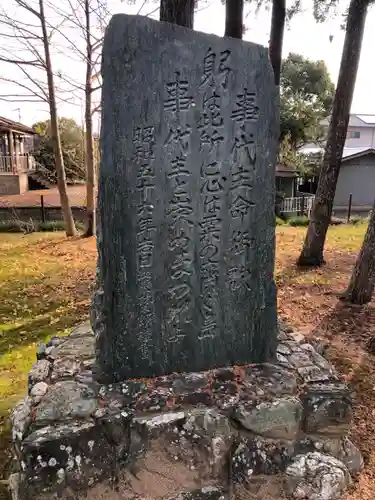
(299, 205)
(16, 164)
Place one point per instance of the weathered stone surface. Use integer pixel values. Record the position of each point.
(66, 400)
(21, 419)
(74, 455)
(205, 493)
(260, 456)
(207, 423)
(317, 477)
(278, 419)
(341, 448)
(216, 435)
(267, 381)
(39, 372)
(303, 358)
(327, 409)
(38, 391)
(186, 201)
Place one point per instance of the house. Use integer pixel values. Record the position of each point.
(357, 173)
(286, 180)
(16, 160)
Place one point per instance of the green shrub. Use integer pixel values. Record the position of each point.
(356, 219)
(18, 226)
(51, 225)
(280, 221)
(56, 225)
(11, 226)
(300, 220)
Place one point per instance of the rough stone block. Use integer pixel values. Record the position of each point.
(278, 419)
(327, 409)
(66, 400)
(316, 476)
(73, 455)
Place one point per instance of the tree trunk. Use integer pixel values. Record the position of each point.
(60, 170)
(312, 252)
(179, 12)
(277, 36)
(90, 164)
(362, 283)
(234, 18)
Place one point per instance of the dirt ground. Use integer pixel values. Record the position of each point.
(308, 300)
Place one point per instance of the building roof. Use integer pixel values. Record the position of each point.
(367, 119)
(6, 124)
(285, 171)
(347, 154)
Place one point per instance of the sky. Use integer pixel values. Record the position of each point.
(303, 36)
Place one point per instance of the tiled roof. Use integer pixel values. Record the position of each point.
(5, 123)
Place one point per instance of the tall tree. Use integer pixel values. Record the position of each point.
(307, 93)
(312, 251)
(362, 282)
(33, 54)
(234, 18)
(277, 37)
(82, 30)
(59, 161)
(179, 12)
(72, 147)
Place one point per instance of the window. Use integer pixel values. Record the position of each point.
(354, 134)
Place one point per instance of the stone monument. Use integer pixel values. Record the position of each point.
(186, 202)
(185, 284)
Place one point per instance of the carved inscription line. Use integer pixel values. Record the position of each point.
(245, 116)
(144, 142)
(214, 80)
(177, 105)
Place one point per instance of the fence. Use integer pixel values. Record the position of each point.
(16, 164)
(301, 205)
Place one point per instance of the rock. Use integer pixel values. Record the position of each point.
(75, 347)
(21, 419)
(40, 351)
(75, 454)
(55, 341)
(155, 424)
(215, 433)
(260, 456)
(327, 409)
(64, 400)
(65, 367)
(268, 381)
(205, 493)
(315, 476)
(15, 486)
(38, 391)
(278, 419)
(341, 448)
(39, 372)
(207, 423)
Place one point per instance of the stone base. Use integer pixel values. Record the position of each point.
(266, 431)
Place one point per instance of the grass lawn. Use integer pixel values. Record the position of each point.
(45, 288)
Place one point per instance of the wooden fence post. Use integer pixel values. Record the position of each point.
(350, 207)
(43, 212)
(302, 205)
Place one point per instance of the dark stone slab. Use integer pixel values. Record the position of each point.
(186, 202)
(74, 455)
(327, 409)
(260, 457)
